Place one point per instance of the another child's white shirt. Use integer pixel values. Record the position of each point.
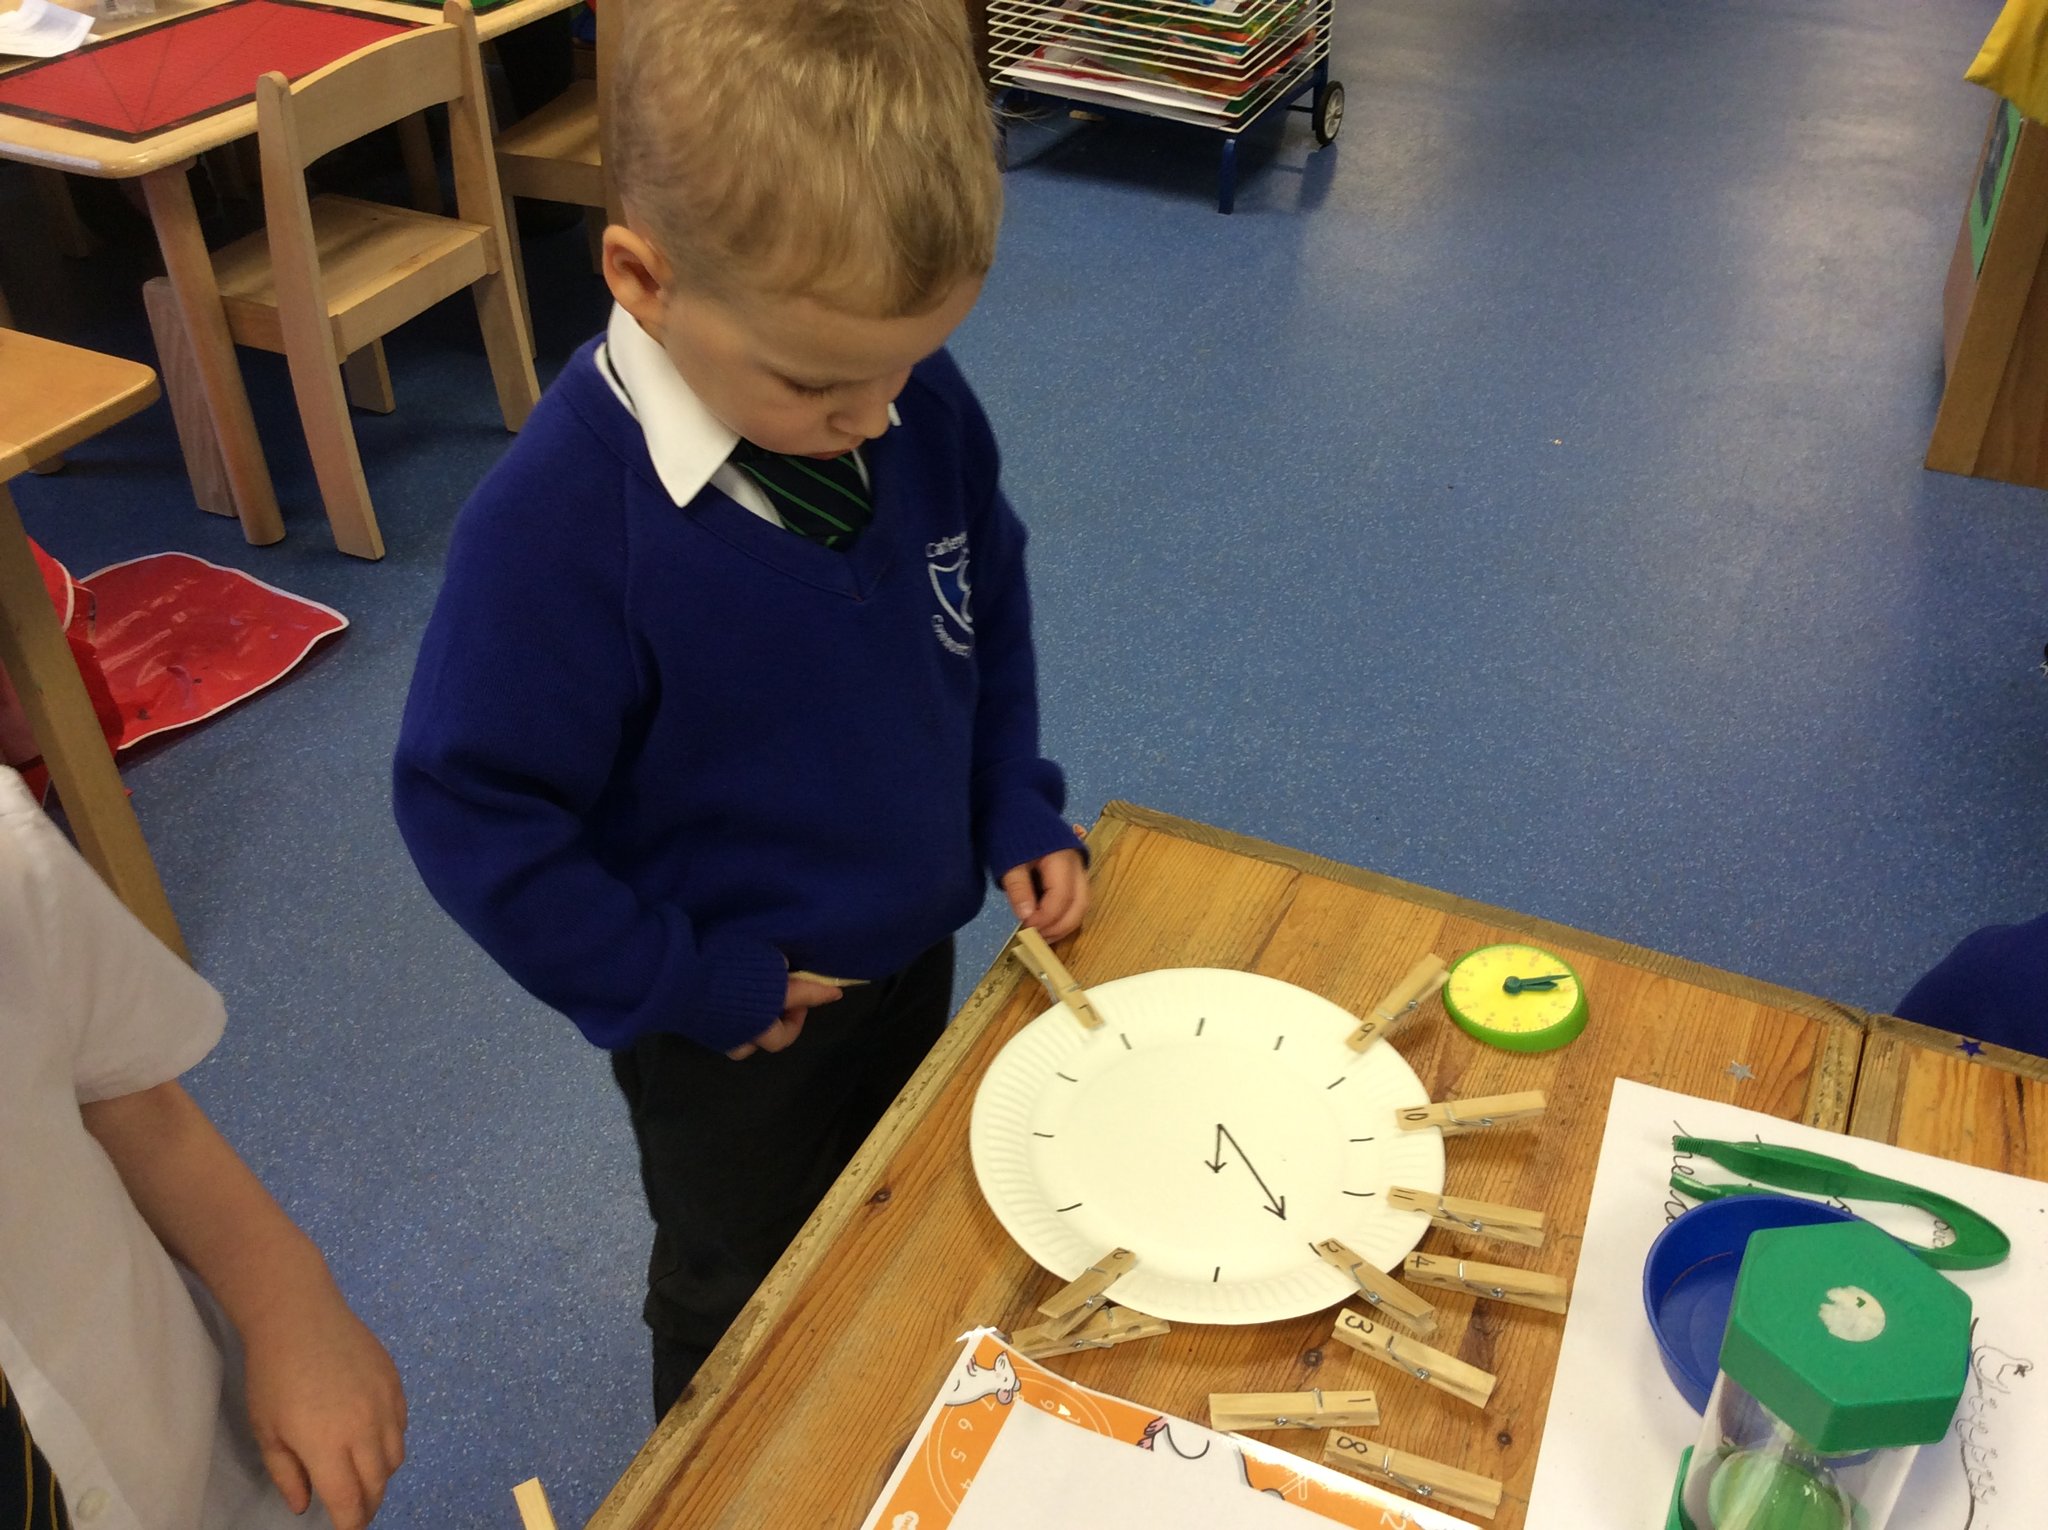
(119, 1372)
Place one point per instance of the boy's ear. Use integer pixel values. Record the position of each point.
(637, 274)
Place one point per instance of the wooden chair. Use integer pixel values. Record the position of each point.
(556, 154)
(52, 397)
(330, 276)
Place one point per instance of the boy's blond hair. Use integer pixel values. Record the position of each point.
(837, 149)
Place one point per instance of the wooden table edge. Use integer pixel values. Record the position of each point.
(1880, 1084)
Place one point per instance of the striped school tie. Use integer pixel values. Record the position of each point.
(29, 1495)
(828, 502)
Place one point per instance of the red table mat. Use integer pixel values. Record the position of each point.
(163, 76)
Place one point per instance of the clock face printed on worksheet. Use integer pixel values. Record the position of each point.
(1218, 1126)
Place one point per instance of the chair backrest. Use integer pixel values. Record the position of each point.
(382, 84)
(373, 88)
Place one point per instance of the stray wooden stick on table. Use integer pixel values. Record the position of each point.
(534, 1513)
(1454, 1117)
(1496, 1282)
(1401, 1002)
(1429, 1480)
(1447, 1373)
(1293, 1410)
(1038, 959)
(1382, 1290)
(1477, 1219)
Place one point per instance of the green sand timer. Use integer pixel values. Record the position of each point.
(1844, 1354)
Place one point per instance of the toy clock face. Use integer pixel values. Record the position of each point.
(1218, 1126)
(1485, 996)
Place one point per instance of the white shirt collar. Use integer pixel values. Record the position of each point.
(687, 442)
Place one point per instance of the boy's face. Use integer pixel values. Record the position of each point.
(790, 374)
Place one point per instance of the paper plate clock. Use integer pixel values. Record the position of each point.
(1217, 1123)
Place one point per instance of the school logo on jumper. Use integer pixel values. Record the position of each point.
(953, 625)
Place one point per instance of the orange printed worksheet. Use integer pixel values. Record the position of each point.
(1009, 1445)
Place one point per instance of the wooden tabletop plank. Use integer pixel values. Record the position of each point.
(1921, 1088)
(905, 1255)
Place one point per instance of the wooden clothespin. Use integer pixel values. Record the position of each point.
(1075, 1302)
(1467, 1383)
(1293, 1410)
(1481, 1219)
(1386, 1294)
(1039, 961)
(1495, 1282)
(1428, 1480)
(1401, 1002)
(1107, 1328)
(1453, 1117)
(532, 1503)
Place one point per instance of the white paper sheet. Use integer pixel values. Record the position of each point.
(1044, 1472)
(1009, 1445)
(1617, 1425)
(42, 30)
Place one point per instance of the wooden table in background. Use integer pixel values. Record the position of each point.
(904, 1255)
(1929, 1091)
(162, 162)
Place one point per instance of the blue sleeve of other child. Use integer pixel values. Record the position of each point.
(1992, 987)
(527, 680)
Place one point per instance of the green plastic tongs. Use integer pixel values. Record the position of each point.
(1979, 1241)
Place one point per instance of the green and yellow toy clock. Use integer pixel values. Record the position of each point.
(1516, 997)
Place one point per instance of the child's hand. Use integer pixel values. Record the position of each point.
(801, 998)
(1049, 894)
(326, 1406)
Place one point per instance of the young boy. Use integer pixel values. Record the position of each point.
(125, 1372)
(731, 678)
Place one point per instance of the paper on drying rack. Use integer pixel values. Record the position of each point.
(1011, 1445)
(1617, 1425)
(42, 30)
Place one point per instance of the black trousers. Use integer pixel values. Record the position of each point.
(735, 1155)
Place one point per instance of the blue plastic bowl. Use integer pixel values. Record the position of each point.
(1689, 1279)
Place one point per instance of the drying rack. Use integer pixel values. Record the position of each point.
(1225, 65)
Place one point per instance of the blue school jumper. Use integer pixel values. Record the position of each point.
(654, 757)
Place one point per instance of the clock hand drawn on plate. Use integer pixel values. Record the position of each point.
(1277, 1204)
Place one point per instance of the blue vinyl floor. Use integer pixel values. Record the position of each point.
(1523, 498)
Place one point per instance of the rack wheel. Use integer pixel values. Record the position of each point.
(1327, 115)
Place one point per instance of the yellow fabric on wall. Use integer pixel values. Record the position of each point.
(2014, 59)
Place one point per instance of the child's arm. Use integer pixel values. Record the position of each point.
(324, 1397)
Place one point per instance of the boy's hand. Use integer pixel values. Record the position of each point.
(1050, 894)
(325, 1405)
(802, 997)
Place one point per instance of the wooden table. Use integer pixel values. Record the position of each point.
(161, 163)
(904, 1255)
(1936, 1093)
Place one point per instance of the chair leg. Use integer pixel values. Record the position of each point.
(179, 368)
(515, 249)
(367, 380)
(37, 659)
(509, 346)
(422, 175)
(331, 439)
